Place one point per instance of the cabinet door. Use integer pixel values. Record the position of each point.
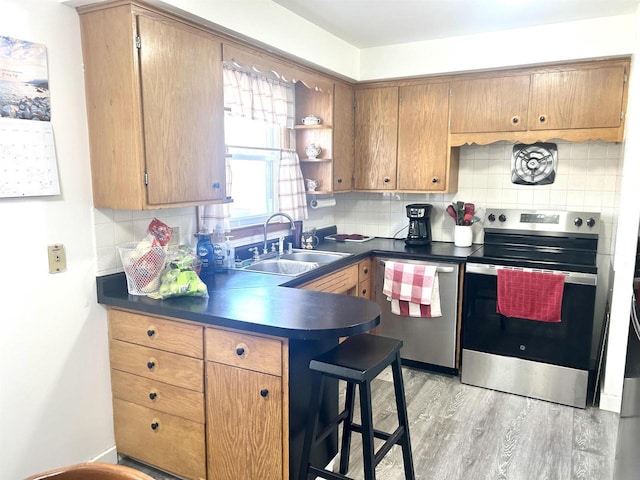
(490, 104)
(590, 98)
(376, 139)
(182, 104)
(244, 424)
(342, 137)
(342, 282)
(423, 137)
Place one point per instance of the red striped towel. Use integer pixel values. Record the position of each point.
(412, 289)
(530, 295)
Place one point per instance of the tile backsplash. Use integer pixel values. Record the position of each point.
(587, 179)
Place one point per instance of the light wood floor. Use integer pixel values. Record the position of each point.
(464, 432)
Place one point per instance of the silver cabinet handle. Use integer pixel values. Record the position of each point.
(439, 269)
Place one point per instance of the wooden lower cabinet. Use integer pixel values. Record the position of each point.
(166, 441)
(246, 406)
(365, 277)
(233, 405)
(353, 280)
(157, 380)
(342, 282)
(244, 424)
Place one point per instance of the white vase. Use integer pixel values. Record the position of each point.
(462, 236)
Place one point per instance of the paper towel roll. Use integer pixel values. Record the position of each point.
(322, 202)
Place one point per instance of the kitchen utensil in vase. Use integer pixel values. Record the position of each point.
(459, 213)
(452, 212)
(469, 210)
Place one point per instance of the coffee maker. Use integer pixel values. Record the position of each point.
(419, 224)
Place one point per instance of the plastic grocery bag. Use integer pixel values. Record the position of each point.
(178, 281)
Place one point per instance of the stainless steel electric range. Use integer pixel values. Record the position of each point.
(538, 359)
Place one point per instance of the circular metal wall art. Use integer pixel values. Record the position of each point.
(534, 164)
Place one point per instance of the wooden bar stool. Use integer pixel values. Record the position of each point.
(358, 360)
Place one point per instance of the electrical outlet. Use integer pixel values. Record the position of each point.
(57, 258)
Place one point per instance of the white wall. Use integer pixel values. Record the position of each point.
(55, 398)
(625, 246)
(599, 37)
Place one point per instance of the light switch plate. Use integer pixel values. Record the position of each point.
(57, 258)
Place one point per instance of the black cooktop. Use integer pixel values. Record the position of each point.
(555, 240)
(569, 261)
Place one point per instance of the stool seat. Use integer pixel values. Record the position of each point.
(357, 360)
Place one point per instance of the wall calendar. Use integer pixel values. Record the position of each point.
(28, 164)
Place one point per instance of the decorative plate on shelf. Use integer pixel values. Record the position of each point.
(534, 164)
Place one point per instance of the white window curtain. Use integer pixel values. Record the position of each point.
(257, 96)
(291, 196)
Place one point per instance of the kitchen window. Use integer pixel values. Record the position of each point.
(263, 172)
(253, 156)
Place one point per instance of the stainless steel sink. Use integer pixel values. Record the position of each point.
(295, 263)
(282, 267)
(314, 256)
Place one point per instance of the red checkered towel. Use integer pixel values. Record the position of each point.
(413, 290)
(530, 295)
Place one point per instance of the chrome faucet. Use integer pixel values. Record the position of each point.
(266, 224)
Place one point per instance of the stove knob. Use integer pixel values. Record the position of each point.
(492, 217)
(577, 222)
(591, 222)
(502, 217)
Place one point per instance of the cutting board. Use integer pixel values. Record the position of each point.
(354, 237)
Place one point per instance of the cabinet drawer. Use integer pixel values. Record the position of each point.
(364, 289)
(341, 282)
(161, 366)
(245, 351)
(165, 441)
(160, 396)
(155, 332)
(364, 270)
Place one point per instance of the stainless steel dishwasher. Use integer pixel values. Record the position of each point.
(427, 342)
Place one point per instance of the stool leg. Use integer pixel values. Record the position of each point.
(312, 425)
(345, 448)
(403, 419)
(367, 431)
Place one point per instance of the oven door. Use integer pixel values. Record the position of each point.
(566, 343)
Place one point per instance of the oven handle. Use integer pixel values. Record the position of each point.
(439, 269)
(577, 278)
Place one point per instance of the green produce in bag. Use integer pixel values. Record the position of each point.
(180, 282)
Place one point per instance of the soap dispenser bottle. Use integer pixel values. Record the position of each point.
(205, 253)
(219, 250)
(231, 253)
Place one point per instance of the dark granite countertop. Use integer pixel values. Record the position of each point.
(261, 303)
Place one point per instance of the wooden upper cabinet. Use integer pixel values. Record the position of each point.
(402, 140)
(587, 98)
(422, 137)
(376, 138)
(573, 102)
(496, 104)
(154, 107)
(343, 119)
